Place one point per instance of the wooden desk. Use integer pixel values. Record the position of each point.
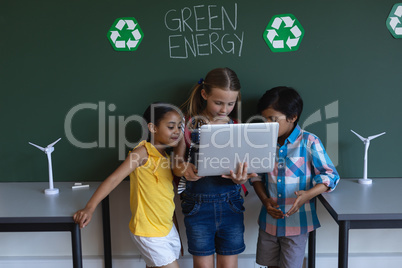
(25, 208)
(358, 206)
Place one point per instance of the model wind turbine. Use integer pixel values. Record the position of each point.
(366, 142)
(48, 151)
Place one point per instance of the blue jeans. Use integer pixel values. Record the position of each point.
(214, 223)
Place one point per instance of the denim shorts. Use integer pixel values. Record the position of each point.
(214, 223)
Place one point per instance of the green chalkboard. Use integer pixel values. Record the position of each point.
(60, 76)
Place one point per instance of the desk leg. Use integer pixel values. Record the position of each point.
(77, 249)
(311, 249)
(344, 227)
(107, 243)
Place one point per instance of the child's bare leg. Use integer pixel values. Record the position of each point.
(174, 264)
(226, 261)
(203, 261)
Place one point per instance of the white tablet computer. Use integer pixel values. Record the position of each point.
(223, 146)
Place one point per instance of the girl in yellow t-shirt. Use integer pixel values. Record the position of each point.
(151, 189)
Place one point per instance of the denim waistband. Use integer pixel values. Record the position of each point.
(210, 197)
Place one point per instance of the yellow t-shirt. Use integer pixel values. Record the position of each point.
(151, 195)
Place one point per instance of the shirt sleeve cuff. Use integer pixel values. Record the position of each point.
(328, 181)
(253, 179)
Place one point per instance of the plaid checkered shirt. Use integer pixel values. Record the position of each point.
(301, 163)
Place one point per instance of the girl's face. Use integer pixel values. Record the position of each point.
(286, 125)
(168, 131)
(220, 103)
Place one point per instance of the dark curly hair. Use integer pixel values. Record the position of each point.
(282, 99)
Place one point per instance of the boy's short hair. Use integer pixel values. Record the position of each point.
(282, 99)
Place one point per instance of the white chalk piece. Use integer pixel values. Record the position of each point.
(80, 186)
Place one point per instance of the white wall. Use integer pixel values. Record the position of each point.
(367, 248)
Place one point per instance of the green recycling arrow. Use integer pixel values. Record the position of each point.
(125, 34)
(283, 33)
(394, 21)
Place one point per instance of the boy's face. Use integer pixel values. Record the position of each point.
(286, 125)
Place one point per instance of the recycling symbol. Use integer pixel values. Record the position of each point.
(393, 22)
(283, 33)
(125, 34)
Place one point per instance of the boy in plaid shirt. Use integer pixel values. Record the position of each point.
(302, 171)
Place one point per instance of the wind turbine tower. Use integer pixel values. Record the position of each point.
(48, 151)
(366, 142)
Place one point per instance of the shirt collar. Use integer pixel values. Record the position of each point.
(295, 133)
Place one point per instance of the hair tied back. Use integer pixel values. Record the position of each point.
(201, 81)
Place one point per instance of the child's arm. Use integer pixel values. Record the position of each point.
(180, 167)
(325, 176)
(305, 196)
(137, 158)
(322, 167)
(270, 205)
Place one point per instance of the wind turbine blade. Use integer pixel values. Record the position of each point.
(51, 145)
(375, 136)
(37, 146)
(360, 137)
